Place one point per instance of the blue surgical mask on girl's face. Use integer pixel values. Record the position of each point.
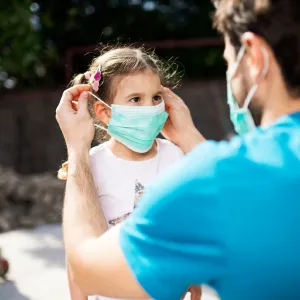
(136, 127)
(241, 116)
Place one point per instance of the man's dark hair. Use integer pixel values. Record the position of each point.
(276, 21)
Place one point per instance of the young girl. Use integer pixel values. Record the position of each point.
(126, 102)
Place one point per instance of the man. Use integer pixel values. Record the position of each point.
(229, 213)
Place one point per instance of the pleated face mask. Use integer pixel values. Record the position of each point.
(136, 127)
(241, 117)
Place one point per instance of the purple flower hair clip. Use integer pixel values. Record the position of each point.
(96, 78)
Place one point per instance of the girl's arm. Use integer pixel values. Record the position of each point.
(75, 291)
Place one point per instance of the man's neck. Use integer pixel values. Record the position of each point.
(121, 151)
(279, 106)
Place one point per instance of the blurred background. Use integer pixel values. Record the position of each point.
(42, 45)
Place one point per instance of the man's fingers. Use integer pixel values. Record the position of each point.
(169, 93)
(83, 103)
(70, 95)
(73, 93)
(166, 93)
(76, 90)
(75, 105)
(170, 98)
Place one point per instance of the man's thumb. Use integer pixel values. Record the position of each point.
(83, 103)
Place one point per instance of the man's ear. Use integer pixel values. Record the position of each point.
(102, 112)
(255, 58)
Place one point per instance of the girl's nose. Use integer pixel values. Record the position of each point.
(150, 102)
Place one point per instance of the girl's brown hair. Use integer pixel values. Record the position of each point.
(121, 62)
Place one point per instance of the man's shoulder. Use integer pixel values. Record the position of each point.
(212, 160)
(242, 158)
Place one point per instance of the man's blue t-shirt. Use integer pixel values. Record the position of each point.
(227, 215)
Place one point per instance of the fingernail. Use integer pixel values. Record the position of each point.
(85, 94)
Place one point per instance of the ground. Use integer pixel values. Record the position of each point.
(37, 265)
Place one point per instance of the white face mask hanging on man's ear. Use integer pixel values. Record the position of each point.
(241, 117)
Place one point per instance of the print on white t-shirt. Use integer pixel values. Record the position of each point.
(139, 190)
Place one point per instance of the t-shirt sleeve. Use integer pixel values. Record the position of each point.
(173, 238)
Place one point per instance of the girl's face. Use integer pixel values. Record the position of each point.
(141, 89)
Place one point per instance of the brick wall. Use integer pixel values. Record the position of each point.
(31, 142)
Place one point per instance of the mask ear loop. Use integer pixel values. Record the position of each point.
(230, 74)
(237, 63)
(96, 125)
(261, 78)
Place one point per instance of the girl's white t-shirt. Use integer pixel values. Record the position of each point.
(120, 183)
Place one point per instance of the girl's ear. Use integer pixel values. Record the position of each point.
(102, 112)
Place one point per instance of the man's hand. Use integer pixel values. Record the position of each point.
(179, 127)
(196, 292)
(74, 119)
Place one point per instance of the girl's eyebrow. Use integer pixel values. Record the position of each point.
(135, 95)
(141, 94)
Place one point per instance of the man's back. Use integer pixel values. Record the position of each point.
(232, 221)
(262, 219)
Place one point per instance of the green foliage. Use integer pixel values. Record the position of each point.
(33, 41)
(23, 53)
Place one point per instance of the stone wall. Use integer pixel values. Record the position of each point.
(31, 142)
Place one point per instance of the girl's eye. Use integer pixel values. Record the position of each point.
(135, 100)
(157, 98)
